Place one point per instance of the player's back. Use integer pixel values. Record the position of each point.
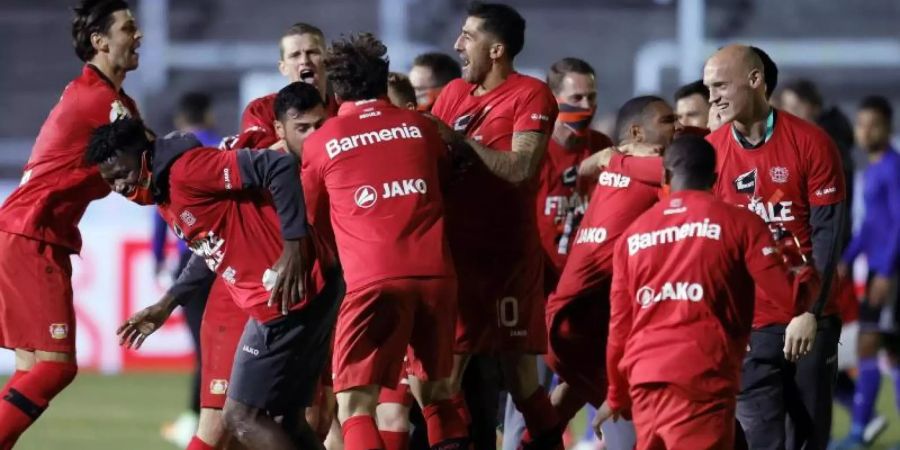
(689, 290)
(57, 186)
(379, 166)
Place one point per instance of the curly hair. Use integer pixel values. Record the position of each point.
(125, 135)
(357, 67)
(92, 16)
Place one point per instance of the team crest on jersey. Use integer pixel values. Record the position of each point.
(188, 218)
(117, 111)
(779, 174)
(461, 124)
(745, 183)
(365, 196)
(59, 331)
(218, 387)
(570, 176)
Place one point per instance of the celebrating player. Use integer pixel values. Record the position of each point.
(499, 124)
(39, 220)
(376, 167)
(429, 74)
(788, 171)
(692, 105)
(683, 291)
(578, 311)
(239, 210)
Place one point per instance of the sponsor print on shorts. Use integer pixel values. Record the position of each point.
(59, 331)
(508, 316)
(218, 387)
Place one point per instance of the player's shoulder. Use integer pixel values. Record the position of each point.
(719, 136)
(598, 141)
(262, 102)
(456, 86)
(528, 82)
(804, 133)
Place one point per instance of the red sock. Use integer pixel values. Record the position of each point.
(539, 414)
(15, 376)
(459, 402)
(360, 433)
(395, 440)
(29, 395)
(198, 444)
(444, 423)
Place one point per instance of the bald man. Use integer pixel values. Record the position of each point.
(788, 171)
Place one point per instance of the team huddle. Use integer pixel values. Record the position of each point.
(368, 239)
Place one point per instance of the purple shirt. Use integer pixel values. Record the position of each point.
(879, 236)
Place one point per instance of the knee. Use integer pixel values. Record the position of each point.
(392, 417)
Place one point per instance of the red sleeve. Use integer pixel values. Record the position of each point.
(620, 320)
(536, 111)
(255, 116)
(648, 170)
(205, 171)
(825, 185)
(317, 207)
(441, 104)
(766, 267)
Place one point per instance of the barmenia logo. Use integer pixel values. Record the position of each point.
(335, 146)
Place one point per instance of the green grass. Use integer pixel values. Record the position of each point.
(125, 412)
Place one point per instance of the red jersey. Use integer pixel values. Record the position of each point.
(57, 186)
(236, 231)
(797, 168)
(683, 295)
(488, 215)
(260, 113)
(376, 166)
(616, 202)
(563, 196)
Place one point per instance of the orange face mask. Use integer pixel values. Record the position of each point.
(431, 96)
(574, 117)
(142, 194)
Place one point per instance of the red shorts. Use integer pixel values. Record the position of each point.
(36, 310)
(666, 418)
(221, 329)
(400, 394)
(576, 346)
(378, 324)
(501, 304)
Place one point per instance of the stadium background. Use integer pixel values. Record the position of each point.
(228, 49)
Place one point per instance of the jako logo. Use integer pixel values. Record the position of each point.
(365, 196)
(641, 241)
(678, 291)
(334, 146)
(613, 180)
(590, 236)
(250, 350)
(404, 187)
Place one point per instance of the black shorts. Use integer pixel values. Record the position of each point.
(277, 364)
(884, 318)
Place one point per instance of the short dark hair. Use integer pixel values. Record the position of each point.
(299, 96)
(880, 105)
(126, 135)
(770, 70)
(694, 88)
(298, 29)
(92, 16)
(691, 156)
(193, 107)
(443, 67)
(357, 67)
(806, 91)
(502, 21)
(400, 84)
(631, 111)
(565, 66)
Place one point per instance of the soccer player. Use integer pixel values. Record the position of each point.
(692, 105)
(243, 214)
(681, 308)
(302, 48)
(39, 220)
(498, 123)
(578, 311)
(429, 74)
(375, 167)
(788, 171)
(879, 240)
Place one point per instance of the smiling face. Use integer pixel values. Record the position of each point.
(476, 49)
(734, 85)
(122, 173)
(301, 59)
(120, 44)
